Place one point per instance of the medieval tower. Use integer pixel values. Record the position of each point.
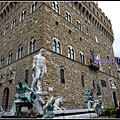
(72, 33)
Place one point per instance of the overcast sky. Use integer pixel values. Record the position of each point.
(111, 10)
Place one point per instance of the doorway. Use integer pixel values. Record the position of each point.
(115, 100)
(5, 99)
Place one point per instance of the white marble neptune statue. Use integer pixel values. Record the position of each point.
(39, 69)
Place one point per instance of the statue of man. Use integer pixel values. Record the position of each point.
(98, 90)
(39, 67)
(89, 94)
(21, 92)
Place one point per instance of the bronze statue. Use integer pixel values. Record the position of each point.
(89, 94)
(23, 95)
(98, 108)
(98, 90)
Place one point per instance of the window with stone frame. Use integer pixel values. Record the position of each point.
(55, 6)
(62, 78)
(34, 6)
(83, 12)
(10, 55)
(82, 80)
(82, 58)
(103, 83)
(71, 52)
(78, 25)
(93, 84)
(96, 39)
(32, 45)
(26, 76)
(23, 15)
(87, 32)
(56, 45)
(20, 52)
(2, 61)
(68, 16)
(13, 24)
(0, 35)
(6, 29)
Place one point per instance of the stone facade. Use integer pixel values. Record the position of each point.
(44, 24)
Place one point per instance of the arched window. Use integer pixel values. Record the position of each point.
(96, 39)
(55, 6)
(26, 76)
(68, 16)
(32, 46)
(87, 32)
(83, 12)
(22, 16)
(5, 99)
(2, 61)
(6, 29)
(34, 6)
(62, 76)
(93, 84)
(10, 57)
(71, 52)
(82, 79)
(78, 25)
(56, 46)
(20, 52)
(82, 58)
(13, 24)
(0, 35)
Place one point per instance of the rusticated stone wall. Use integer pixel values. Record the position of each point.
(41, 25)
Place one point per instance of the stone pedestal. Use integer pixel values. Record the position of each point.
(20, 108)
(40, 100)
(89, 104)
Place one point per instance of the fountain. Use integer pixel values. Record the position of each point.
(31, 104)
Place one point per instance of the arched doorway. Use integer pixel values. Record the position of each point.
(5, 98)
(115, 101)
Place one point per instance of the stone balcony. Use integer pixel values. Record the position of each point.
(93, 66)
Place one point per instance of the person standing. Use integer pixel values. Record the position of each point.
(118, 112)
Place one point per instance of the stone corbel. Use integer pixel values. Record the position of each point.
(1, 84)
(11, 80)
